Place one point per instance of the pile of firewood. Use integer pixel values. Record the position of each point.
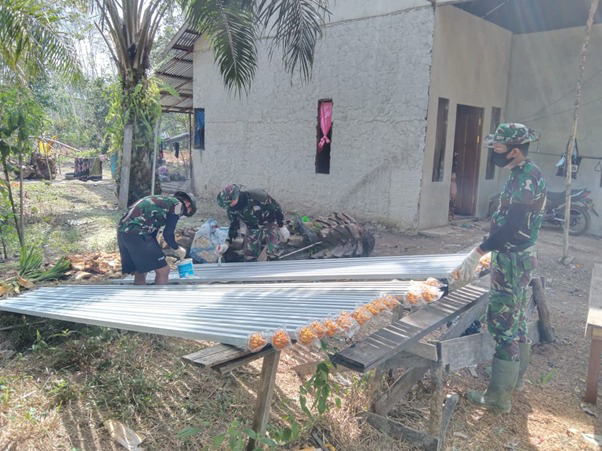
(95, 266)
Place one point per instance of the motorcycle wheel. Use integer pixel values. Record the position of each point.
(580, 221)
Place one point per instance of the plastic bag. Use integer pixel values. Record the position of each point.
(281, 340)
(433, 282)
(390, 301)
(206, 239)
(257, 341)
(318, 328)
(346, 322)
(332, 328)
(361, 315)
(306, 336)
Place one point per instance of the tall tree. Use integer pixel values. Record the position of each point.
(233, 27)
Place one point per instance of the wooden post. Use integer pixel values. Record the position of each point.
(264, 395)
(448, 410)
(126, 160)
(437, 398)
(157, 125)
(593, 369)
(546, 331)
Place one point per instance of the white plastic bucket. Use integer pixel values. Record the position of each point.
(185, 268)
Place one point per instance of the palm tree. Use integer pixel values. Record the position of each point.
(233, 27)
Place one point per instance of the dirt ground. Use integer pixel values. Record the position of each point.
(60, 386)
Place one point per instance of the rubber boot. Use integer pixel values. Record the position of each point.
(525, 355)
(497, 395)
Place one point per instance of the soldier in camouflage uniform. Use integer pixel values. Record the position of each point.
(514, 230)
(261, 215)
(137, 234)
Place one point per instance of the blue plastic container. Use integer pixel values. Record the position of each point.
(185, 268)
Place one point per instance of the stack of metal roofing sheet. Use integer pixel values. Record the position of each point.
(221, 313)
(368, 268)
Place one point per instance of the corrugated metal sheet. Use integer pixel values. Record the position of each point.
(220, 313)
(369, 268)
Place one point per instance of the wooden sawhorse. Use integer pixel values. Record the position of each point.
(593, 331)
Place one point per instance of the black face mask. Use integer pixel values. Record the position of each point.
(499, 159)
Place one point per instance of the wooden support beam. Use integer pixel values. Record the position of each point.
(126, 160)
(448, 410)
(264, 395)
(462, 352)
(406, 381)
(225, 358)
(399, 431)
(593, 369)
(436, 398)
(546, 331)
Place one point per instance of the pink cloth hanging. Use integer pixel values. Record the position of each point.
(325, 123)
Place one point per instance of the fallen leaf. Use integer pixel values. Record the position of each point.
(3, 289)
(24, 282)
(587, 409)
(82, 275)
(459, 434)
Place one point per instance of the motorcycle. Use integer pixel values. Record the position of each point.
(581, 207)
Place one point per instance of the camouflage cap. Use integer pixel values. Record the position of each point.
(512, 134)
(228, 195)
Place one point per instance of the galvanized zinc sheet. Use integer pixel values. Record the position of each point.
(368, 268)
(220, 313)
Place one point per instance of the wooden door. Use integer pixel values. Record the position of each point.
(467, 153)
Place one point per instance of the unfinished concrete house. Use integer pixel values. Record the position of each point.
(404, 91)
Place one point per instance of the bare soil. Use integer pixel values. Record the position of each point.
(61, 385)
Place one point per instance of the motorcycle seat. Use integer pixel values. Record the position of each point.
(557, 197)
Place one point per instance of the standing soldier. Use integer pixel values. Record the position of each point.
(514, 231)
(261, 215)
(137, 234)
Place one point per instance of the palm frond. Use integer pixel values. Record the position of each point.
(31, 41)
(296, 28)
(231, 29)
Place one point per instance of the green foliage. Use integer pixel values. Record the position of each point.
(30, 266)
(21, 117)
(139, 106)
(31, 42)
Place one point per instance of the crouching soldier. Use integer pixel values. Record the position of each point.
(261, 215)
(137, 234)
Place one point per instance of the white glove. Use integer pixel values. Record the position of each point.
(180, 252)
(221, 249)
(284, 233)
(465, 271)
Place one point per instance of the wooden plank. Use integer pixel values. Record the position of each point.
(425, 350)
(265, 391)
(126, 160)
(384, 403)
(226, 367)
(458, 353)
(593, 371)
(448, 410)
(400, 335)
(399, 431)
(594, 314)
(405, 360)
(436, 398)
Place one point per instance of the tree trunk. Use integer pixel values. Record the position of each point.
(12, 202)
(22, 234)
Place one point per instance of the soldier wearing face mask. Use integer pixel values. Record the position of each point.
(514, 230)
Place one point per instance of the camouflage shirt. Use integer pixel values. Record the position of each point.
(255, 208)
(149, 214)
(525, 186)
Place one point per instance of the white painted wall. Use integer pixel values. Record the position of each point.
(377, 71)
(543, 75)
(470, 67)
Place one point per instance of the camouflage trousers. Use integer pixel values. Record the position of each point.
(252, 243)
(506, 319)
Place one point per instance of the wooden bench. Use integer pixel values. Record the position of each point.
(593, 331)
(399, 346)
